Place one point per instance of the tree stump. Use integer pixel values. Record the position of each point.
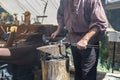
(55, 69)
(55, 63)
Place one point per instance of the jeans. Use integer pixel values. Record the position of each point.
(85, 63)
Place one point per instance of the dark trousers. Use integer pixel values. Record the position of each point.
(85, 63)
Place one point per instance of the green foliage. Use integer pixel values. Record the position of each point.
(102, 50)
(103, 63)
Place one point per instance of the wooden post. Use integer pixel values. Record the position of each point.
(55, 69)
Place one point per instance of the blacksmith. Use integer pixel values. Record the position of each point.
(86, 22)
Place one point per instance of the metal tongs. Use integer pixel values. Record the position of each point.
(50, 41)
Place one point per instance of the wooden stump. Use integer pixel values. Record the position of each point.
(55, 69)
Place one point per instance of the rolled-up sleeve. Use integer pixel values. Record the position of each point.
(98, 16)
(60, 14)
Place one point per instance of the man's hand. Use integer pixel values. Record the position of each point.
(82, 44)
(54, 35)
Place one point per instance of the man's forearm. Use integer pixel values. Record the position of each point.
(5, 52)
(91, 33)
(59, 29)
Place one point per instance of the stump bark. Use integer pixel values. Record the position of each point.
(55, 69)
